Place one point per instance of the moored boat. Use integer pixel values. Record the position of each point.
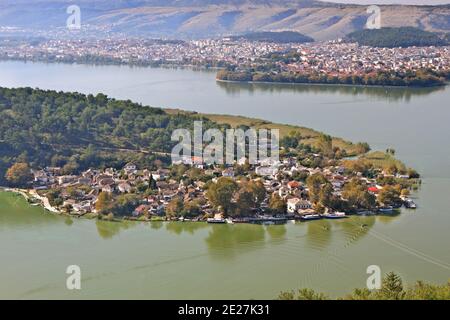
(386, 209)
(410, 204)
(308, 217)
(335, 215)
(216, 220)
(365, 213)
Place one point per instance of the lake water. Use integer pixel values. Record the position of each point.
(183, 260)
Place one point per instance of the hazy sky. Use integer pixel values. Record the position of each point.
(392, 1)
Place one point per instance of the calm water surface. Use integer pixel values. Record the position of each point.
(183, 260)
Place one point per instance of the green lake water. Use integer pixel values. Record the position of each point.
(196, 260)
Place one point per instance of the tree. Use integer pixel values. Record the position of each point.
(290, 141)
(325, 144)
(300, 175)
(359, 165)
(249, 196)
(124, 204)
(413, 174)
(258, 191)
(152, 184)
(302, 294)
(392, 287)
(104, 202)
(244, 201)
(357, 195)
(221, 193)
(192, 208)
(317, 188)
(389, 195)
(19, 175)
(175, 207)
(277, 205)
(360, 294)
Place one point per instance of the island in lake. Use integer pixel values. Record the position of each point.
(98, 157)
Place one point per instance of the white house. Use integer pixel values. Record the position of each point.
(124, 187)
(295, 204)
(130, 168)
(266, 171)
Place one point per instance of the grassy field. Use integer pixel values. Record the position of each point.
(309, 136)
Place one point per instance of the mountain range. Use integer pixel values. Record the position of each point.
(211, 18)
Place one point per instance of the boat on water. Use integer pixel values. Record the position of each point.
(229, 221)
(365, 213)
(410, 204)
(335, 215)
(216, 220)
(386, 209)
(308, 217)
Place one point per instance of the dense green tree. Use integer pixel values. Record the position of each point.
(104, 201)
(19, 175)
(277, 205)
(357, 194)
(317, 188)
(175, 207)
(392, 287)
(221, 193)
(396, 37)
(390, 195)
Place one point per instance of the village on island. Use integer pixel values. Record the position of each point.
(305, 186)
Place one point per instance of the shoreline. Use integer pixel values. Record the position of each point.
(119, 64)
(333, 84)
(32, 194)
(205, 68)
(28, 194)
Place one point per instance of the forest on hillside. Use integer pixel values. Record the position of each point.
(397, 37)
(276, 37)
(77, 131)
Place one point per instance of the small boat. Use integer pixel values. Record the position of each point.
(410, 204)
(386, 209)
(366, 213)
(229, 221)
(216, 220)
(240, 220)
(335, 215)
(308, 217)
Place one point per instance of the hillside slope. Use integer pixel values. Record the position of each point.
(200, 18)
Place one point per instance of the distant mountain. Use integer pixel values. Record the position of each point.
(277, 37)
(397, 37)
(206, 18)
